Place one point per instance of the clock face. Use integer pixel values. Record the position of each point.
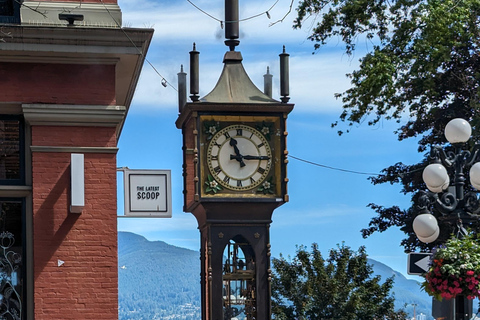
(239, 157)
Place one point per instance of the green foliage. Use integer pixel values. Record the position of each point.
(340, 287)
(424, 57)
(422, 71)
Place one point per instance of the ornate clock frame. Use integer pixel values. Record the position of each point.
(199, 125)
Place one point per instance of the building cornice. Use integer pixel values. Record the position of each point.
(123, 47)
(73, 115)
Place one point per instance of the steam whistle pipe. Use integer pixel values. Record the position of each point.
(232, 32)
(194, 74)
(284, 76)
(182, 89)
(267, 83)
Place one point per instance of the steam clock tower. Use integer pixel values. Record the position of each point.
(234, 151)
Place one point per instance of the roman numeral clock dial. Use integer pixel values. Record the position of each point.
(239, 157)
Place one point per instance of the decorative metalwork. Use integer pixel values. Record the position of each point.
(455, 205)
(10, 273)
(212, 185)
(239, 283)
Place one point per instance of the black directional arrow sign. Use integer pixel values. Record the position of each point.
(418, 263)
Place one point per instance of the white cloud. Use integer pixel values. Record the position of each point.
(314, 79)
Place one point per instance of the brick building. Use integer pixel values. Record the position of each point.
(67, 76)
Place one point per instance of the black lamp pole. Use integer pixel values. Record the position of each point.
(449, 202)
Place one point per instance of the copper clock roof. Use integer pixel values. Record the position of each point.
(234, 85)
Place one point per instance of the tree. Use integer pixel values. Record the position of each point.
(422, 71)
(340, 287)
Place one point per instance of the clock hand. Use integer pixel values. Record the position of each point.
(238, 156)
(256, 157)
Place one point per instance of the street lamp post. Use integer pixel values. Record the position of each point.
(448, 201)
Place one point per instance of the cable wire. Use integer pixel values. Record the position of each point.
(164, 81)
(349, 171)
(333, 168)
(240, 20)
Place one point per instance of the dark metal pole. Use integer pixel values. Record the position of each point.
(284, 76)
(267, 83)
(232, 28)
(194, 67)
(182, 89)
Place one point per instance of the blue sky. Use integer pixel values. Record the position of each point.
(326, 206)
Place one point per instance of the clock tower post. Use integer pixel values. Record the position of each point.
(234, 170)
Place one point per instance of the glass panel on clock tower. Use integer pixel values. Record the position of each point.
(239, 281)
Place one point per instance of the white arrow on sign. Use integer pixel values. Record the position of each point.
(418, 263)
(423, 263)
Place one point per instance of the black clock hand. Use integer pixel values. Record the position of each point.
(237, 156)
(256, 157)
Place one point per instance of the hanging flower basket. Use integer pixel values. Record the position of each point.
(454, 270)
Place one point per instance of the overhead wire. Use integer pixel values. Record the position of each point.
(240, 20)
(332, 168)
(164, 81)
(346, 170)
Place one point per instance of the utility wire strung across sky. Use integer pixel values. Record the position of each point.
(245, 19)
(164, 81)
(346, 170)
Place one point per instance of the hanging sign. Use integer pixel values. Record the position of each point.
(148, 193)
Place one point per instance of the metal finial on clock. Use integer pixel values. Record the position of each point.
(267, 83)
(231, 24)
(182, 89)
(194, 66)
(284, 76)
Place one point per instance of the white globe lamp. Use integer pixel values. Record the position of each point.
(436, 177)
(426, 227)
(475, 175)
(458, 131)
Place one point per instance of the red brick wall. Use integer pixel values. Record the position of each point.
(57, 83)
(64, 136)
(86, 285)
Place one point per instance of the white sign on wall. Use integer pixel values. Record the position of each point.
(148, 193)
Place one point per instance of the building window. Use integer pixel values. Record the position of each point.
(12, 251)
(9, 11)
(12, 150)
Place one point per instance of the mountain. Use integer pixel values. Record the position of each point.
(157, 280)
(160, 281)
(407, 292)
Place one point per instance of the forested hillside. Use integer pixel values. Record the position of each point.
(161, 281)
(157, 280)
